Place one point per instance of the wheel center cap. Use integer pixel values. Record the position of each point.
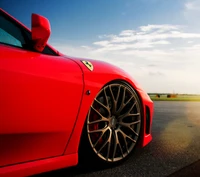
(113, 122)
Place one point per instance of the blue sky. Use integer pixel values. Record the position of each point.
(156, 41)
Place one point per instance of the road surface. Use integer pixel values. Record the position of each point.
(174, 151)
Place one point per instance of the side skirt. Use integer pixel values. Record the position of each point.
(39, 166)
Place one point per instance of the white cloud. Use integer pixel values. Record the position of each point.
(161, 58)
(101, 43)
(192, 12)
(149, 36)
(86, 47)
(192, 5)
(156, 73)
(189, 6)
(127, 33)
(162, 28)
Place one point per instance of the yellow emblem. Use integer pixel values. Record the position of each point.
(88, 65)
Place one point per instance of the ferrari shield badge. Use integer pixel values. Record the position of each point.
(88, 65)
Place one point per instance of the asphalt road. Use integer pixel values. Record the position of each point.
(174, 151)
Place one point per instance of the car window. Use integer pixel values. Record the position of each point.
(6, 38)
(10, 33)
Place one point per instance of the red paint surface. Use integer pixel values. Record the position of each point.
(35, 167)
(40, 97)
(43, 107)
(104, 73)
(40, 31)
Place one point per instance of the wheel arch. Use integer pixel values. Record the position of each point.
(76, 137)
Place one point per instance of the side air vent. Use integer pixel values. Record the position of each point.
(147, 121)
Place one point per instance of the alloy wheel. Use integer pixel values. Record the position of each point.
(114, 122)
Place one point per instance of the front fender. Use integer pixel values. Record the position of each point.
(103, 74)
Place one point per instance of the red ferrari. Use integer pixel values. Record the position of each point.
(55, 109)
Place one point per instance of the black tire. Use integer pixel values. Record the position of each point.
(112, 126)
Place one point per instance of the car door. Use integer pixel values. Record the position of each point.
(40, 95)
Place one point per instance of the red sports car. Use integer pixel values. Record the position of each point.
(55, 109)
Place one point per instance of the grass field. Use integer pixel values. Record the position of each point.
(178, 98)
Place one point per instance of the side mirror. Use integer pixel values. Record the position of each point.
(40, 29)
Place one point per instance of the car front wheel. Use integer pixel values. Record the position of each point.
(113, 123)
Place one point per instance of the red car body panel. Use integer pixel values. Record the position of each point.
(40, 98)
(39, 166)
(105, 73)
(43, 107)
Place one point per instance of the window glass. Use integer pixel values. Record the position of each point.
(8, 39)
(10, 33)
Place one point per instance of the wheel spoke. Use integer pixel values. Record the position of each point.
(97, 112)
(105, 143)
(109, 143)
(128, 112)
(130, 109)
(114, 101)
(124, 94)
(117, 98)
(107, 103)
(103, 132)
(129, 100)
(117, 144)
(121, 117)
(101, 104)
(127, 125)
(103, 119)
(98, 130)
(122, 105)
(125, 136)
(106, 97)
